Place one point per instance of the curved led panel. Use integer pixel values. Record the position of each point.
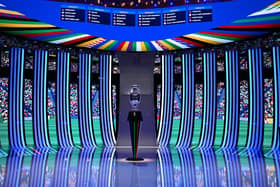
(189, 35)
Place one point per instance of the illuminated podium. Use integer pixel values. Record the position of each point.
(134, 118)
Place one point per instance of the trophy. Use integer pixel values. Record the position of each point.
(134, 118)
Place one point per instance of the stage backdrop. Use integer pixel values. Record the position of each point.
(137, 69)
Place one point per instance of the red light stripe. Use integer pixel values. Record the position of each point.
(227, 35)
(259, 26)
(44, 34)
(120, 46)
(190, 42)
(77, 40)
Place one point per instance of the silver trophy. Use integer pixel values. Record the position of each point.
(134, 97)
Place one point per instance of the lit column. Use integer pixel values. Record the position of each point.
(188, 101)
(40, 124)
(62, 100)
(166, 172)
(16, 90)
(106, 109)
(232, 100)
(256, 121)
(210, 97)
(210, 168)
(166, 113)
(84, 95)
(233, 167)
(276, 67)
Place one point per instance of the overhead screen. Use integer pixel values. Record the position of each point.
(136, 24)
(157, 29)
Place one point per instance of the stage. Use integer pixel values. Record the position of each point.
(161, 167)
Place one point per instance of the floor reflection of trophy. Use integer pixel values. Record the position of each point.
(134, 118)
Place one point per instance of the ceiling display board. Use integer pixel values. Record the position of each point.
(139, 30)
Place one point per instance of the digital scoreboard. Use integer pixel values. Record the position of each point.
(197, 15)
(72, 14)
(123, 19)
(149, 19)
(99, 16)
(173, 17)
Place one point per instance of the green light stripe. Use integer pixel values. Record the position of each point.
(61, 37)
(35, 31)
(22, 22)
(270, 18)
(220, 37)
(111, 45)
(173, 45)
(147, 46)
(133, 46)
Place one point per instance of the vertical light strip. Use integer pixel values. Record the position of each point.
(162, 96)
(107, 125)
(233, 167)
(59, 104)
(166, 172)
(63, 117)
(276, 68)
(257, 163)
(106, 166)
(67, 109)
(62, 167)
(209, 105)
(232, 107)
(81, 100)
(102, 100)
(39, 106)
(256, 99)
(85, 118)
(45, 97)
(188, 101)
(16, 134)
(166, 117)
(110, 99)
(187, 166)
(209, 165)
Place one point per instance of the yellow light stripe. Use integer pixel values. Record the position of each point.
(96, 42)
(274, 4)
(143, 46)
(125, 46)
(202, 39)
(88, 43)
(12, 25)
(10, 12)
(166, 45)
(106, 44)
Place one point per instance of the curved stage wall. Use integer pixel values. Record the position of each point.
(88, 129)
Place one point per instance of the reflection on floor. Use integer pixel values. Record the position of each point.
(162, 167)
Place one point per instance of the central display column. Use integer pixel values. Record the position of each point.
(136, 69)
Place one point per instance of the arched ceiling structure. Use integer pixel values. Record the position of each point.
(228, 25)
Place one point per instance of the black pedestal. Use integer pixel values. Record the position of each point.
(134, 119)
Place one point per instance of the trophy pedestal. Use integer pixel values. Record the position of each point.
(134, 119)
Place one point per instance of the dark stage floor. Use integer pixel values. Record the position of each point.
(161, 167)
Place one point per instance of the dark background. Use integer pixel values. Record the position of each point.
(137, 69)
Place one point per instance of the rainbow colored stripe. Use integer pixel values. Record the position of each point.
(256, 24)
